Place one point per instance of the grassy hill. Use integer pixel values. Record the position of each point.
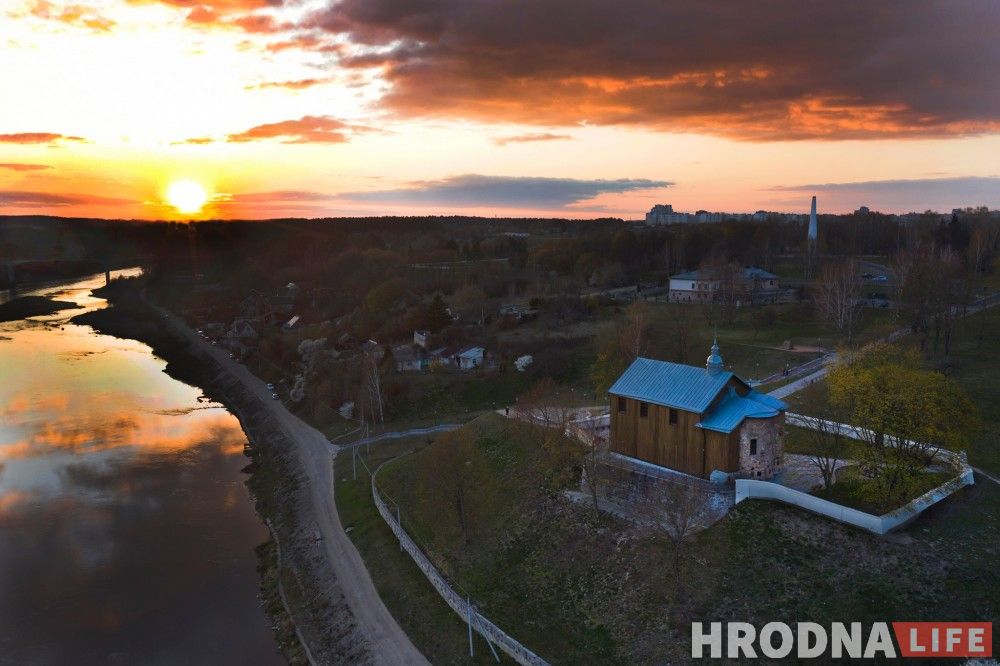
(580, 589)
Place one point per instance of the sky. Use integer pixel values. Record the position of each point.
(569, 108)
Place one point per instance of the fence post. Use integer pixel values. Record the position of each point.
(469, 602)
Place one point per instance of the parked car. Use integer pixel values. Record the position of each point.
(270, 387)
(275, 396)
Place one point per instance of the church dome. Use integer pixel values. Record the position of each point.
(714, 361)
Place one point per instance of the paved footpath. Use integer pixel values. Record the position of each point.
(798, 384)
(387, 642)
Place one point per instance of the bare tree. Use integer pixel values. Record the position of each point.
(593, 464)
(829, 446)
(371, 399)
(634, 330)
(448, 479)
(678, 510)
(838, 295)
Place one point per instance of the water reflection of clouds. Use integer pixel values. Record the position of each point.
(125, 529)
(80, 432)
(173, 521)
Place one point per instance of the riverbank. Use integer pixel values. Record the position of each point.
(277, 484)
(31, 306)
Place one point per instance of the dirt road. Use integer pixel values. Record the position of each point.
(387, 643)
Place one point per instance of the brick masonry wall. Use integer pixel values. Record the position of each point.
(767, 460)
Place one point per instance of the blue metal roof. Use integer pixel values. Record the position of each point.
(732, 409)
(672, 384)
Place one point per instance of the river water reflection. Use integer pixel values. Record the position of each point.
(126, 533)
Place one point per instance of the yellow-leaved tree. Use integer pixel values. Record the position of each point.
(905, 414)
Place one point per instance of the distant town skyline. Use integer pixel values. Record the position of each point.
(170, 109)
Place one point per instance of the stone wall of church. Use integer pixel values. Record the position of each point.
(761, 447)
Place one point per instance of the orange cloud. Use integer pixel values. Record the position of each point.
(786, 70)
(25, 199)
(309, 43)
(529, 138)
(308, 129)
(20, 166)
(39, 137)
(75, 15)
(299, 84)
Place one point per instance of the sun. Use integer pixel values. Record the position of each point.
(187, 196)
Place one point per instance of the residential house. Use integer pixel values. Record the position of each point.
(409, 358)
(752, 285)
(695, 420)
(471, 358)
(284, 300)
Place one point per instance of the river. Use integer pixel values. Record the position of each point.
(126, 532)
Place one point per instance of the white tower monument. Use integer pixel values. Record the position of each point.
(812, 224)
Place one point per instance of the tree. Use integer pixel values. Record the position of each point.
(677, 510)
(828, 446)
(436, 317)
(905, 414)
(838, 295)
(616, 350)
(469, 300)
(929, 292)
(382, 299)
(449, 477)
(371, 398)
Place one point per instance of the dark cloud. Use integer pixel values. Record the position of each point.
(530, 137)
(504, 191)
(773, 69)
(20, 166)
(917, 194)
(24, 199)
(39, 137)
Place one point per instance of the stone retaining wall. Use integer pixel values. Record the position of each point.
(483, 626)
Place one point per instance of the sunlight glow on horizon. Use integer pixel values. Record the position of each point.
(187, 196)
(152, 97)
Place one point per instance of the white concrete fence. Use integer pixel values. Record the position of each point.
(461, 605)
(754, 489)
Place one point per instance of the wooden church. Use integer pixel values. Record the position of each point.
(695, 420)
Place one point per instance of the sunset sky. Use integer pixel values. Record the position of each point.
(576, 108)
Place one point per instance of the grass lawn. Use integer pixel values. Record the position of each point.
(799, 440)
(973, 363)
(429, 622)
(853, 490)
(582, 590)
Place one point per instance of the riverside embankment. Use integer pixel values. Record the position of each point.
(332, 599)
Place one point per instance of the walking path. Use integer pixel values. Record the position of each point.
(397, 434)
(387, 642)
